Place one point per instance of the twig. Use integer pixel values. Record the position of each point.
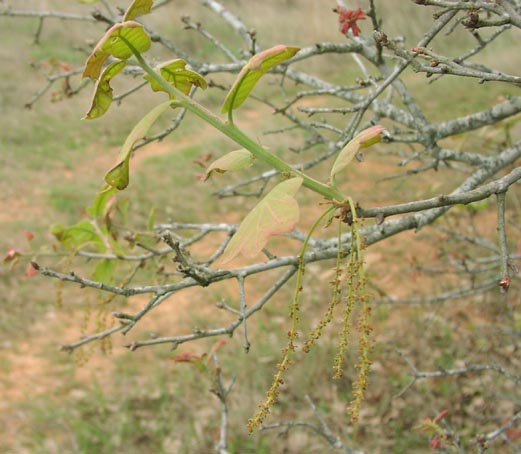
(417, 375)
(498, 187)
(46, 14)
(242, 296)
(217, 43)
(496, 433)
(232, 20)
(50, 82)
(94, 337)
(322, 430)
(222, 394)
(228, 330)
(504, 282)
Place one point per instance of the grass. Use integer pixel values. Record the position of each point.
(52, 164)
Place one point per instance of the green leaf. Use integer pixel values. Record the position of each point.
(97, 209)
(77, 236)
(138, 8)
(174, 72)
(152, 219)
(104, 271)
(114, 43)
(102, 98)
(234, 160)
(118, 176)
(275, 214)
(365, 139)
(252, 72)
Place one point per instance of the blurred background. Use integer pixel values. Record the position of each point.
(106, 399)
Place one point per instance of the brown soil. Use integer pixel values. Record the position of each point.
(31, 369)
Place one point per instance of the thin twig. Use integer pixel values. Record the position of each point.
(504, 282)
(242, 296)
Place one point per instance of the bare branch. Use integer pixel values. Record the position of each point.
(94, 337)
(232, 20)
(499, 186)
(322, 430)
(46, 14)
(504, 282)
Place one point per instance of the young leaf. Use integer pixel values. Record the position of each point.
(102, 98)
(30, 270)
(365, 139)
(175, 73)
(114, 43)
(234, 160)
(104, 271)
(118, 176)
(252, 72)
(12, 254)
(151, 219)
(276, 213)
(138, 8)
(77, 235)
(97, 210)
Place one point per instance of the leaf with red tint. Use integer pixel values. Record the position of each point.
(348, 19)
(30, 271)
(11, 255)
(441, 415)
(258, 65)
(275, 214)
(217, 346)
(114, 43)
(28, 235)
(202, 160)
(188, 357)
(513, 434)
(504, 284)
(365, 139)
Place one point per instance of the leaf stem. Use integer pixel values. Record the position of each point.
(234, 133)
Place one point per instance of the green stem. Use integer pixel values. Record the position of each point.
(234, 133)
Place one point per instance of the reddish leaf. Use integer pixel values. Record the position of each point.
(30, 271)
(348, 18)
(28, 235)
(11, 255)
(435, 443)
(202, 160)
(513, 434)
(504, 283)
(217, 346)
(441, 415)
(188, 357)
